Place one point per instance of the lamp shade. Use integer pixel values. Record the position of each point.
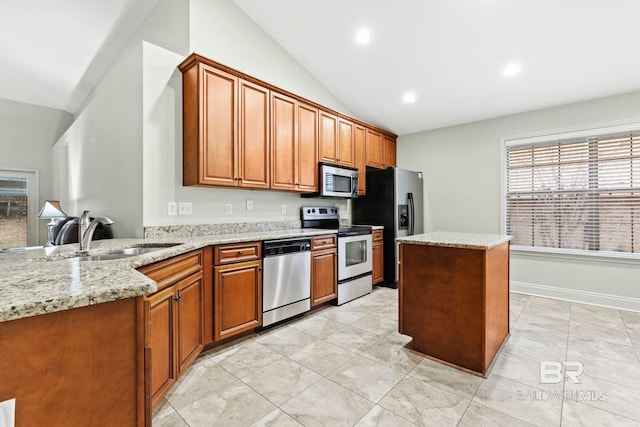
(51, 209)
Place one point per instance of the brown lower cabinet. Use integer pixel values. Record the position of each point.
(378, 257)
(173, 320)
(237, 289)
(237, 298)
(324, 269)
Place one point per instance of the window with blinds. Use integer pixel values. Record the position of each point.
(575, 194)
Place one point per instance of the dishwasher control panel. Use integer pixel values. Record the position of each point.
(285, 246)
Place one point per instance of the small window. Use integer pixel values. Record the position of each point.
(575, 193)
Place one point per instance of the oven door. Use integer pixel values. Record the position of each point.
(354, 256)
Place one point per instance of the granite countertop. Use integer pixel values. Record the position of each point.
(456, 240)
(44, 280)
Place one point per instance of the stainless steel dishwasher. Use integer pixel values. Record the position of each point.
(286, 279)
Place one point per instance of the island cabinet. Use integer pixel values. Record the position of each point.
(237, 284)
(294, 142)
(454, 296)
(378, 256)
(225, 129)
(324, 269)
(174, 319)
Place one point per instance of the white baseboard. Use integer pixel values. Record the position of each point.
(584, 297)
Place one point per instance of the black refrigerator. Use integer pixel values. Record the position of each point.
(394, 200)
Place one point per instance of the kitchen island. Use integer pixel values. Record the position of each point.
(454, 296)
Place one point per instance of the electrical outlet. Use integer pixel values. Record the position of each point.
(228, 208)
(172, 208)
(249, 204)
(8, 413)
(185, 208)
(284, 209)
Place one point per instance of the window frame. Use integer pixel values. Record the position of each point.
(33, 201)
(546, 137)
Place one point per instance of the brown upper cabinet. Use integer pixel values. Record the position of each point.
(294, 136)
(226, 138)
(239, 131)
(389, 152)
(361, 157)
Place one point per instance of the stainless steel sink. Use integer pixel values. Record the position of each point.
(127, 252)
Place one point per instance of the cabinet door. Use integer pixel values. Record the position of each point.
(162, 336)
(218, 128)
(253, 144)
(378, 262)
(324, 278)
(328, 129)
(389, 152)
(189, 320)
(374, 148)
(346, 143)
(307, 166)
(361, 161)
(237, 298)
(283, 142)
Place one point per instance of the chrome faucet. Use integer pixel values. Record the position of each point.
(86, 228)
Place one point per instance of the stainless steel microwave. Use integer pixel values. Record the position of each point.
(338, 181)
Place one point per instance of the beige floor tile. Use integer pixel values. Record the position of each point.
(368, 378)
(605, 395)
(390, 354)
(246, 358)
(380, 417)
(352, 339)
(397, 338)
(286, 341)
(326, 403)
(424, 404)
(345, 314)
(322, 356)
(447, 378)
(586, 348)
(377, 324)
(198, 382)
(536, 406)
(575, 414)
(536, 345)
(281, 380)
(276, 418)
(169, 420)
(523, 370)
(481, 416)
(318, 326)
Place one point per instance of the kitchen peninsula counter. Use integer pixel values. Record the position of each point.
(454, 296)
(46, 280)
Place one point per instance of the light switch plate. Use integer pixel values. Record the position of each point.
(8, 413)
(284, 209)
(228, 208)
(185, 208)
(249, 204)
(172, 208)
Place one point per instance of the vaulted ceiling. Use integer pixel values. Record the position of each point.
(451, 55)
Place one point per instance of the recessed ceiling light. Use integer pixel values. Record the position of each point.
(409, 97)
(363, 36)
(512, 70)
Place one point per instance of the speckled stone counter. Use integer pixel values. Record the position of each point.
(44, 280)
(456, 240)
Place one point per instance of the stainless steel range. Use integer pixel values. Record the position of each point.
(354, 251)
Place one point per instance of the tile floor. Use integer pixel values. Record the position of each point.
(348, 365)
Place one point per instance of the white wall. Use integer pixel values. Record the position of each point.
(27, 133)
(122, 157)
(462, 173)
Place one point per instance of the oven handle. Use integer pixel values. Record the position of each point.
(412, 220)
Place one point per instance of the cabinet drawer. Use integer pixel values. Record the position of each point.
(323, 242)
(237, 253)
(376, 235)
(171, 270)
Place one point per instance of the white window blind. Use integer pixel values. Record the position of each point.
(575, 194)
